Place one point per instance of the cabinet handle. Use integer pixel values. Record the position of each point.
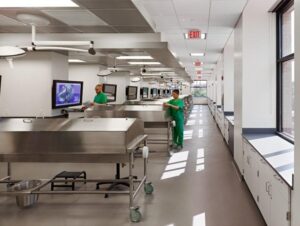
(267, 187)
(269, 190)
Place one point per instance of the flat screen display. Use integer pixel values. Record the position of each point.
(131, 92)
(144, 92)
(66, 93)
(154, 92)
(111, 91)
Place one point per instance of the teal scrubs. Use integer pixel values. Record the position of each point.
(178, 117)
(100, 98)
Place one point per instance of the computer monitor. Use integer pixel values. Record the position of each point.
(111, 91)
(66, 93)
(153, 92)
(144, 92)
(131, 92)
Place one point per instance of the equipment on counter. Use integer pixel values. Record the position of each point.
(131, 92)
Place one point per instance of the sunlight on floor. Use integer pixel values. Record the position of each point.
(199, 220)
(188, 134)
(200, 133)
(191, 123)
(179, 157)
(171, 174)
(176, 165)
(200, 160)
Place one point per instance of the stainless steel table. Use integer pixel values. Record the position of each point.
(92, 140)
(157, 122)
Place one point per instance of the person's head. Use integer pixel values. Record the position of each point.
(175, 93)
(98, 88)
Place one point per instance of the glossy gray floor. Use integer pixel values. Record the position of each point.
(195, 187)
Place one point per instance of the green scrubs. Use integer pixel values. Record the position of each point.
(178, 117)
(100, 98)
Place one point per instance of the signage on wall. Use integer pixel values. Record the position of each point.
(194, 34)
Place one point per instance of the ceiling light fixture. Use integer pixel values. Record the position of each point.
(76, 61)
(143, 63)
(36, 3)
(135, 58)
(197, 54)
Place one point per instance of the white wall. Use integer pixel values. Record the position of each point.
(27, 88)
(229, 75)
(259, 65)
(296, 191)
(88, 74)
(238, 93)
(219, 74)
(255, 71)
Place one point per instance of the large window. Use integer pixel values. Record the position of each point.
(285, 70)
(199, 89)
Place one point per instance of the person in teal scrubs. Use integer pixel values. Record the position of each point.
(101, 97)
(176, 109)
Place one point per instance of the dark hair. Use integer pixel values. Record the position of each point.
(176, 91)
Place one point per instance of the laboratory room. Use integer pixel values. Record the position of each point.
(149, 112)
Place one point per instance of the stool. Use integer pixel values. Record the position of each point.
(68, 175)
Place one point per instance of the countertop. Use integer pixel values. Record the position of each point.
(278, 153)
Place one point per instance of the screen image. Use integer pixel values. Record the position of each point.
(66, 93)
(154, 92)
(131, 92)
(144, 92)
(111, 91)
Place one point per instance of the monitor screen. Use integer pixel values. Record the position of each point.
(66, 93)
(131, 92)
(154, 92)
(111, 91)
(144, 92)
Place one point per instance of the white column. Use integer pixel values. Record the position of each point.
(296, 191)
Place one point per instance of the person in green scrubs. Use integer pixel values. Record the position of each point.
(176, 110)
(101, 97)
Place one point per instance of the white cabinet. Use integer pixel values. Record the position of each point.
(270, 192)
(226, 130)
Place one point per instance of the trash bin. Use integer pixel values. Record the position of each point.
(25, 199)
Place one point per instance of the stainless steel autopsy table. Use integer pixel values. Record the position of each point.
(156, 120)
(92, 140)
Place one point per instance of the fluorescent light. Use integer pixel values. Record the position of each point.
(134, 58)
(198, 68)
(36, 3)
(76, 61)
(197, 54)
(144, 63)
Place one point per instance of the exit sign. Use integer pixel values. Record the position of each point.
(194, 34)
(197, 63)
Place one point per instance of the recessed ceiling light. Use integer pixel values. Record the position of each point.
(76, 61)
(135, 58)
(197, 54)
(36, 3)
(144, 63)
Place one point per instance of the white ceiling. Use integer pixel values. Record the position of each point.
(173, 18)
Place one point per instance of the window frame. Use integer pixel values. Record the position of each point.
(282, 8)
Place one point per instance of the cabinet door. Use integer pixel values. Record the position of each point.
(280, 204)
(264, 190)
(246, 157)
(254, 165)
